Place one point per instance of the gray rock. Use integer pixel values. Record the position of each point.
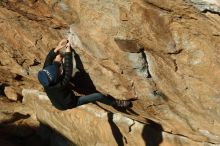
(207, 5)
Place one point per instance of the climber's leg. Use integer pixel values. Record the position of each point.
(95, 97)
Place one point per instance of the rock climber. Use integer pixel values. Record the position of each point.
(55, 78)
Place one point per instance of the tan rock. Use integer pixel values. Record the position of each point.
(175, 77)
(98, 127)
(11, 93)
(17, 125)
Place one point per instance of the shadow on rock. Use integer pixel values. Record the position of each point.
(16, 131)
(152, 134)
(82, 81)
(115, 130)
(52, 137)
(19, 135)
(13, 117)
(2, 88)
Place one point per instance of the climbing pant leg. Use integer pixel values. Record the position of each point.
(94, 97)
(75, 69)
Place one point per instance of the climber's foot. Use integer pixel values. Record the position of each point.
(122, 103)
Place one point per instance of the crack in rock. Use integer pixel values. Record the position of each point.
(130, 126)
(159, 7)
(144, 55)
(210, 11)
(187, 137)
(175, 52)
(38, 39)
(174, 60)
(140, 63)
(175, 65)
(160, 94)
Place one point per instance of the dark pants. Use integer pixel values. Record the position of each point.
(95, 97)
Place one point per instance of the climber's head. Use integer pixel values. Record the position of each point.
(49, 75)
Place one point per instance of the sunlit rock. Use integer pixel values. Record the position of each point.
(165, 54)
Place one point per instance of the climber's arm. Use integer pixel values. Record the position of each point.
(50, 57)
(54, 52)
(68, 66)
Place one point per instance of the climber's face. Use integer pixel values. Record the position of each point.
(59, 58)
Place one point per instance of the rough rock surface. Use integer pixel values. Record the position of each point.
(17, 126)
(100, 128)
(11, 93)
(207, 5)
(164, 53)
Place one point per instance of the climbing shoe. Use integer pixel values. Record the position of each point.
(122, 103)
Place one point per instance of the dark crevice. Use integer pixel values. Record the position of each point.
(216, 35)
(2, 88)
(20, 61)
(211, 11)
(58, 27)
(125, 139)
(156, 6)
(156, 92)
(146, 63)
(175, 52)
(176, 66)
(1, 63)
(153, 105)
(15, 117)
(174, 60)
(36, 42)
(18, 57)
(160, 94)
(130, 126)
(18, 77)
(36, 62)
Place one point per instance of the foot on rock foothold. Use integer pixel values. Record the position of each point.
(122, 103)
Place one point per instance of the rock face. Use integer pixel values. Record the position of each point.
(11, 93)
(100, 128)
(163, 53)
(207, 5)
(17, 126)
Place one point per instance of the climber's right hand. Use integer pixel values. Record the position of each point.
(61, 45)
